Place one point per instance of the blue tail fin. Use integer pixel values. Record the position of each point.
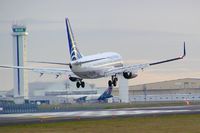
(74, 52)
(106, 94)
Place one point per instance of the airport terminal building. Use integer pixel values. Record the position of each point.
(172, 90)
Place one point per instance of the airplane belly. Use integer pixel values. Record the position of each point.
(89, 74)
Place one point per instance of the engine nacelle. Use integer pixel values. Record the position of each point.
(129, 75)
(73, 79)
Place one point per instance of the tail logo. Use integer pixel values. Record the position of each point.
(74, 52)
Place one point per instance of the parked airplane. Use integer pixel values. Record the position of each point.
(107, 64)
(96, 98)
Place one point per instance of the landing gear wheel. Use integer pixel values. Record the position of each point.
(82, 84)
(110, 83)
(78, 84)
(114, 82)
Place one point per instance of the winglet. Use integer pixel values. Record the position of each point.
(173, 59)
(184, 51)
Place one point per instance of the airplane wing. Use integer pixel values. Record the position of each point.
(77, 62)
(55, 71)
(53, 63)
(136, 68)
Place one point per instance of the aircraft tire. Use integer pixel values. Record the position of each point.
(115, 83)
(82, 84)
(78, 84)
(110, 83)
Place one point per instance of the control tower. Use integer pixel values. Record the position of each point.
(19, 59)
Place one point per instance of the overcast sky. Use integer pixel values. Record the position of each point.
(141, 31)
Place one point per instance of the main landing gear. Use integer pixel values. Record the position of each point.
(80, 83)
(113, 81)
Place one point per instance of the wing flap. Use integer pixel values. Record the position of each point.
(78, 62)
(53, 63)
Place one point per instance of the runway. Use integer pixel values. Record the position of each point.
(95, 114)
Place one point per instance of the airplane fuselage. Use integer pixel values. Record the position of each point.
(94, 66)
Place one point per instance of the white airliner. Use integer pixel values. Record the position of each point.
(97, 97)
(93, 66)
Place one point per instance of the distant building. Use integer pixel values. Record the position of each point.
(179, 89)
(179, 86)
(59, 92)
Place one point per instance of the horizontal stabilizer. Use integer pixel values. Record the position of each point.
(78, 62)
(54, 63)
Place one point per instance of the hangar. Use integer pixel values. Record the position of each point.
(172, 90)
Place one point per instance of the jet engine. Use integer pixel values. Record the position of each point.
(73, 79)
(129, 75)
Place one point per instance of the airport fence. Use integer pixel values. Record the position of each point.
(165, 98)
(6, 108)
